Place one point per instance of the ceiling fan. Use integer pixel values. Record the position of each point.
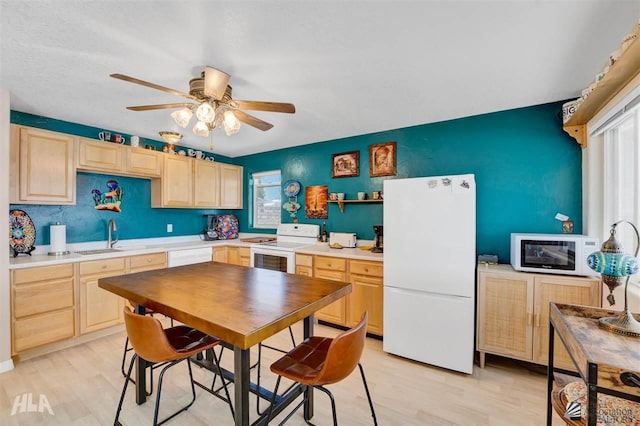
(212, 104)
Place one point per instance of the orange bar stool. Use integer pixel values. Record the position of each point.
(320, 361)
(166, 347)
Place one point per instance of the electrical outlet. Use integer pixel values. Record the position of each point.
(169, 227)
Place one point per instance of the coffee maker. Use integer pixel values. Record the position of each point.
(377, 248)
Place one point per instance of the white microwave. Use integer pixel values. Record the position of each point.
(553, 253)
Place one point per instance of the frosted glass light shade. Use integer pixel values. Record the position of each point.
(182, 117)
(231, 123)
(205, 112)
(201, 129)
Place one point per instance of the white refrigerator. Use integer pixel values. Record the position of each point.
(429, 270)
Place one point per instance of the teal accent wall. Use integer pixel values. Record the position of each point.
(527, 169)
(85, 223)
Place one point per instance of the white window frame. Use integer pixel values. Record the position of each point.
(254, 211)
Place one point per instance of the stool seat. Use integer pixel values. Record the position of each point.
(305, 361)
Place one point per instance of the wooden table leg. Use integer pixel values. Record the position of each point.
(241, 385)
(308, 406)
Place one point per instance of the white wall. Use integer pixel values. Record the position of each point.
(6, 363)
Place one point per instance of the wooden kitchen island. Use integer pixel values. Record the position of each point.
(241, 306)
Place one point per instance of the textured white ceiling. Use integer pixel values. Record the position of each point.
(350, 67)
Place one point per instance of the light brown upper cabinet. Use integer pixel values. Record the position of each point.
(100, 156)
(43, 167)
(191, 183)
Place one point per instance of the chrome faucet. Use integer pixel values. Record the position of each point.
(111, 227)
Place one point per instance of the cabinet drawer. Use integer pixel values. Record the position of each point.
(330, 275)
(31, 275)
(42, 329)
(373, 269)
(31, 299)
(147, 262)
(304, 260)
(102, 266)
(331, 263)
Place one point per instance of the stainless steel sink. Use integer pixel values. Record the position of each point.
(98, 251)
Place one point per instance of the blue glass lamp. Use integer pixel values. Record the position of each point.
(616, 267)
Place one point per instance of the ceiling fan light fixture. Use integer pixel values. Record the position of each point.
(205, 112)
(182, 117)
(231, 123)
(201, 129)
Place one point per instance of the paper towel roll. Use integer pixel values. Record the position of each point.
(58, 238)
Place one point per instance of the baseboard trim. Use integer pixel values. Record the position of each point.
(6, 366)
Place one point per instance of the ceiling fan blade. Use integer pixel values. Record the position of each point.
(215, 82)
(265, 106)
(152, 85)
(158, 106)
(252, 121)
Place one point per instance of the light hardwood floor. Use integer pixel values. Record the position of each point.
(83, 384)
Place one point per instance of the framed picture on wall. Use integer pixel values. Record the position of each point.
(315, 200)
(345, 164)
(382, 159)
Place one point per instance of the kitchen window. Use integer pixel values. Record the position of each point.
(266, 199)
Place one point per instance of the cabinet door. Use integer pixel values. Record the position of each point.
(98, 308)
(567, 290)
(143, 162)
(38, 330)
(335, 313)
(100, 156)
(505, 314)
(206, 184)
(220, 254)
(47, 169)
(230, 186)
(175, 187)
(366, 296)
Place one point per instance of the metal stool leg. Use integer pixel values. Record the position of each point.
(366, 388)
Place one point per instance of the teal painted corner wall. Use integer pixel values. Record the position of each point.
(85, 223)
(527, 169)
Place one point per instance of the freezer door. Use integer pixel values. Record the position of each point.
(430, 328)
(430, 234)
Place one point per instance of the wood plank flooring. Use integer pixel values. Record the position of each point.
(82, 386)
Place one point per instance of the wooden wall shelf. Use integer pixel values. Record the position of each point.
(341, 203)
(625, 69)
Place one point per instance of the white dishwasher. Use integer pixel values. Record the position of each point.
(188, 256)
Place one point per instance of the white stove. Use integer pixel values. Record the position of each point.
(279, 255)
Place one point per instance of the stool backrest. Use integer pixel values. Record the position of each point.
(344, 353)
(147, 337)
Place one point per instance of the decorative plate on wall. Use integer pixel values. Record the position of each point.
(22, 233)
(291, 188)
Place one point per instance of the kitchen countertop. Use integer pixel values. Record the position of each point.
(348, 253)
(158, 245)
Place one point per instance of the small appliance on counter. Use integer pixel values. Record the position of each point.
(221, 227)
(344, 239)
(378, 244)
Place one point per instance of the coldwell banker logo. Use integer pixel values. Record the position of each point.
(25, 404)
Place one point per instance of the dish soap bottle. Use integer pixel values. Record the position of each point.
(323, 234)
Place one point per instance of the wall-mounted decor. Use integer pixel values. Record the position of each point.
(316, 202)
(22, 233)
(382, 159)
(345, 164)
(291, 190)
(108, 200)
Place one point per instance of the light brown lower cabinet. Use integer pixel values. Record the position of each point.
(220, 254)
(43, 303)
(239, 256)
(366, 278)
(513, 312)
(99, 308)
